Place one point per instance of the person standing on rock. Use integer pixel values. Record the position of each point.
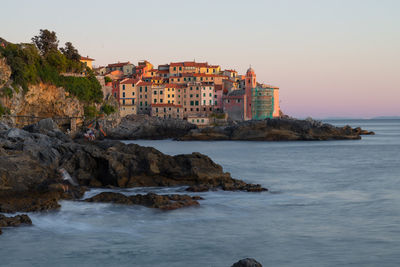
(67, 180)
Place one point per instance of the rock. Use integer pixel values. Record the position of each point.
(248, 262)
(147, 127)
(277, 129)
(14, 221)
(30, 159)
(151, 200)
(29, 201)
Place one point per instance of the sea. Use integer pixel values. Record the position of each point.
(330, 203)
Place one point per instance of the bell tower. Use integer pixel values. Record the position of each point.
(250, 84)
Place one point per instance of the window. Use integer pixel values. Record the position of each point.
(161, 92)
(210, 95)
(155, 101)
(140, 88)
(204, 102)
(133, 101)
(169, 109)
(145, 103)
(161, 100)
(204, 94)
(173, 95)
(123, 94)
(197, 102)
(145, 89)
(123, 102)
(174, 68)
(115, 95)
(202, 120)
(215, 102)
(123, 87)
(210, 102)
(157, 110)
(141, 103)
(180, 68)
(168, 96)
(133, 93)
(155, 92)
(165, 110)
(238, 100)
(197, 109)
(191, 103)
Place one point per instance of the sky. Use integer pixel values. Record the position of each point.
(330, 58)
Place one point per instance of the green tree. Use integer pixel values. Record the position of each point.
(46, 41)
(57, 60)
(70, 52)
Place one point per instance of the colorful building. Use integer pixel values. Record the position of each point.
(87, 61)
(128, 96)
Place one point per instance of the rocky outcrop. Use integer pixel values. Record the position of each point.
(279, 129)
(147, 127)
(14, 221)
(248, 262)
(30, 158)
(151, 200)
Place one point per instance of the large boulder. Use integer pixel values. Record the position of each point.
(248, 262)
(151, 200)
(14, 221)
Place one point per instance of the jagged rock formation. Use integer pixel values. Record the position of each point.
(280, 129)
(151, 200)
(14, 221)
(30, 158)
(146, 127)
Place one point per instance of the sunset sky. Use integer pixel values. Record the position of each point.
(330, 58)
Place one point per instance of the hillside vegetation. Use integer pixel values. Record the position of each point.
(42, 61)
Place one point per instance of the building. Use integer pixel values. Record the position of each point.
(199, 120)
(265, 102)
(87, 61)
(144, 93)
(235, 105)
(250, 84)
(128, 96)
(167, 111)
(126, 67)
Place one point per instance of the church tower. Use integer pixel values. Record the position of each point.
(250, 83)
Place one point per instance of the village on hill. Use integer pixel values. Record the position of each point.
(188, 90)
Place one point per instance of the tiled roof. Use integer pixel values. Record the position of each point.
(119, 64)
(87, 58)
(144, 84)
(129, 81)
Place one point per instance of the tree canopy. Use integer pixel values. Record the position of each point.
(46, 41)
(70, 51)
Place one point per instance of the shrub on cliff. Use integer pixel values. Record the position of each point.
(108, 109)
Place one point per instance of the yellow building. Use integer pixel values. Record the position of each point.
(87, 61)
(128, 96)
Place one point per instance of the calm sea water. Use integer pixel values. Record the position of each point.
(331, 203)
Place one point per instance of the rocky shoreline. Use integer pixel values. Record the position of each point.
(278, 129)
(31, 157)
